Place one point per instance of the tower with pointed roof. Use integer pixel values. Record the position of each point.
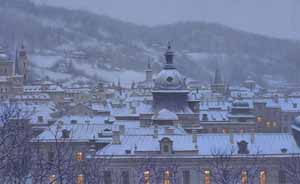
(21, 67)
(170, 91)
(218, 85)
(149, 72)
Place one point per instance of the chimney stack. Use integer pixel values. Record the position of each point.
(252, 137)
(231, 137)
(116, 137)
(122, 129)
(194, 136)
(155, 133)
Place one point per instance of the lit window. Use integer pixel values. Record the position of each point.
(268, 124)
(147, 177)
(259, 119)
(274, 124)
(225, 130)
(52, 179)
(244, 177)
(262, 177)
(167, 176)
(79, 156)
(207, 177)
(80, 179)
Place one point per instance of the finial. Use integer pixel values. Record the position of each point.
(169, 45)
(169, 57)
(22, 45)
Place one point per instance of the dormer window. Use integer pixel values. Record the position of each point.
(166, 146)
(204, 117)
(295, 105)
(65, 133)
(40, 119)
(243, 147)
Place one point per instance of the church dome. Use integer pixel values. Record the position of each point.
(169, 79)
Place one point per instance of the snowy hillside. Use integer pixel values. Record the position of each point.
(116, 49)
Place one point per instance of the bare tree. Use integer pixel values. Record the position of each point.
(228, 167)
(155, 170)
(55, 162)
(15, 133)
(290, 169)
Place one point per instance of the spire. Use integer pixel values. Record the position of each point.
(149, 67)
(169, 55)
(218, 78)
(17, 62)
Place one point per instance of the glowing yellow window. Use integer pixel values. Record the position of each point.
(207, 177)
(244, 177)
(262, 177)
(259, 119)
(268, 124)
(52, 179)
(80, 179)
(147, 177)
(167, 179)
(79, 156)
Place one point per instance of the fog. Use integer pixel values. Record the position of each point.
(277, 18)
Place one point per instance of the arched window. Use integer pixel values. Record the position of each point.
(263, 177)
(166, 146)
(207, 177)
(80, 179)
(167, 177)
(52, 179)
(244, 177)
(146, 177)
(79, 156)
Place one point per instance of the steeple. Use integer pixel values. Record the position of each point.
(218, 78)
(149, 72)
(17, 62)
(169, 55)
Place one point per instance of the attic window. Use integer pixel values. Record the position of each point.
(166, 146)
(40, 119)
(170, 79)
(73, 121)
(243, 147)
(295, 105)
(65, 133)
(204, 117)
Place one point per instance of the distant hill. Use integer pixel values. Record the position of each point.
(117, 49)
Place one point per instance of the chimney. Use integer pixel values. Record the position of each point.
(194, 136)
(116, 137)
(122, 129)
(231, 138)
(252, 137)
(155, 133)
(92, 147)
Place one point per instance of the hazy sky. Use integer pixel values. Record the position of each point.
(279, 18)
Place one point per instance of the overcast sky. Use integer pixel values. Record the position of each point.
(278, 18)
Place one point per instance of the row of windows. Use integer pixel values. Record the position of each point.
(3, 90)
(78, 156)
(166, 177)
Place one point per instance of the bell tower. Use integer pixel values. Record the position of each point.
(22, 63)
